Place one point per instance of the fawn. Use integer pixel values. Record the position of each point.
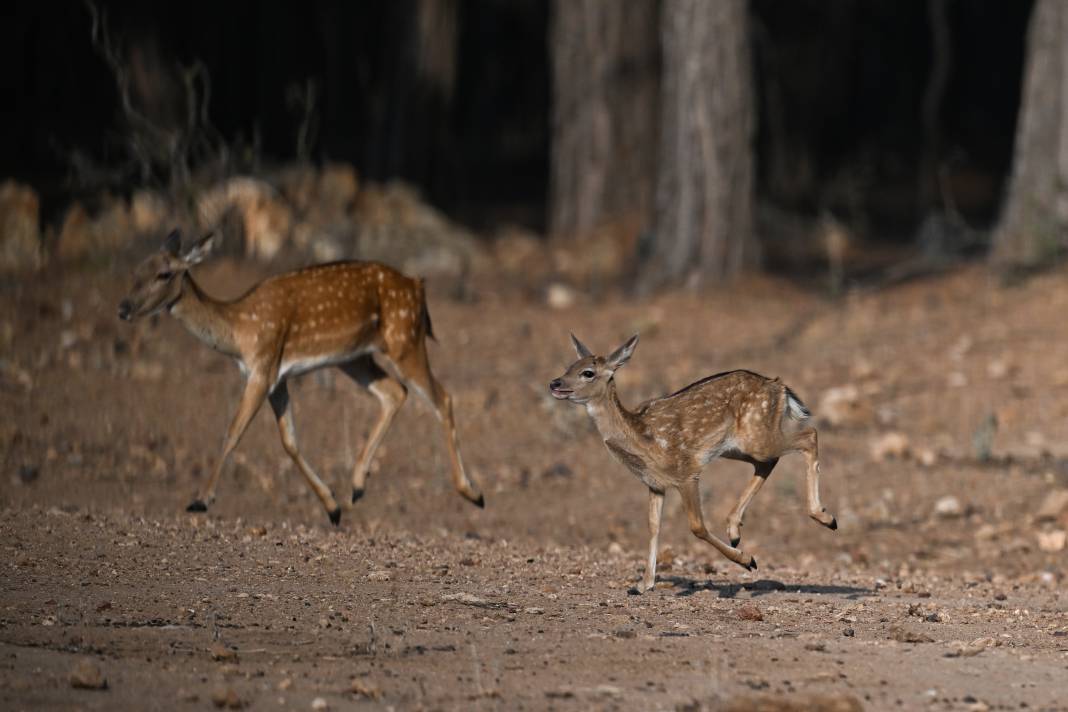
(337, 314)
(739, 415)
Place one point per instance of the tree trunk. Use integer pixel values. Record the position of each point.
(604, 75)
(704, 195)
(1035, 215)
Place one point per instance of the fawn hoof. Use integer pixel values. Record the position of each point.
(751, 566)
(833, 526)
(197, 505)
(735, 541)
(335, 516)
(480, 502)
(633, 591)
(357, 493)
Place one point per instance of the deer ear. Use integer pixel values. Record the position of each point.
(199, 251)
(172, 245)
(580, 348)
(621, 355)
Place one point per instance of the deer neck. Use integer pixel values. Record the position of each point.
(203, 317)
(613, 421)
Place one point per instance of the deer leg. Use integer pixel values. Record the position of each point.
(761, 470)
(391, 395)
(656, 508)
(415, 370)
(283, 411)
(807, 443)
(691, 502)
(251, 399)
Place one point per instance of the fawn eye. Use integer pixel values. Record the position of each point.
(164, 276)
(587, 374)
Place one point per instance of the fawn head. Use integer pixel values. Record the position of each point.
(157, 281)
(588, 378)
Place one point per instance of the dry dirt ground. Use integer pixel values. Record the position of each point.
(955, 387)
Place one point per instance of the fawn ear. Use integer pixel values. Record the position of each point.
(199, 251)
(580, 348)
(172, 245)
(621, 355)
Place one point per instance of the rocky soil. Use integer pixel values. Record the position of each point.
(942, 406)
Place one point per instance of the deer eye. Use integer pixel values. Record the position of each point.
(164, 276)
(587, 374)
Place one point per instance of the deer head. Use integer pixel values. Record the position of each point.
(588, 378)
(157, 282)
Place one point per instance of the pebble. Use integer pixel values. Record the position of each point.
(87, 675)
(227, 698)
(320, 704)
(750, 612)
(948, 507)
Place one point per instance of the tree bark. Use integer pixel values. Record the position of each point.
(604, 90)
(704, 194)
(1035, 214)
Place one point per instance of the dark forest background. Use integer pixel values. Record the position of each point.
(875, 114)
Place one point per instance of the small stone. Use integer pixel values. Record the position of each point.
(1052, 541)
(87, 675)
(319, 704)
(559, 296)
(28, 473)
(948, 507)
(849, 632)
(750, 612)
(615, 548)
(608, 691)
(285, 684)
(890, 445)
(842, 406)
(361, 689)
(221, 653)
(1052, 506)
(227, 698)
(378, 576)
(903, 635)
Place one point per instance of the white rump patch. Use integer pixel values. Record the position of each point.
(795, 408)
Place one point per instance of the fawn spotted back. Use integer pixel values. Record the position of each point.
(667, 441)
(339, 314)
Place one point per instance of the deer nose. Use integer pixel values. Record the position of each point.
(555, 384)
(125, 309)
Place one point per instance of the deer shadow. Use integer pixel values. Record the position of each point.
(685, 586)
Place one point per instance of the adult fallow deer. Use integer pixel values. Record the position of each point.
(666, 442)
(339, 314)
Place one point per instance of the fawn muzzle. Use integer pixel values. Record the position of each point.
(556, 387)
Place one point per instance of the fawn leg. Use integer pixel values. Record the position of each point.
(656, 509)
(414, 368)
(251, 399)
(761, 470)
(691, 501)
(283, 411)
(391, 395)
(807, 443)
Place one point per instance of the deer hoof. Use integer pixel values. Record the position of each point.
(357, 493)
(735, 541)
(197, 505)
(752, 565)
(335, 516)
(833, 526)
(480, 502)
(634, 591)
